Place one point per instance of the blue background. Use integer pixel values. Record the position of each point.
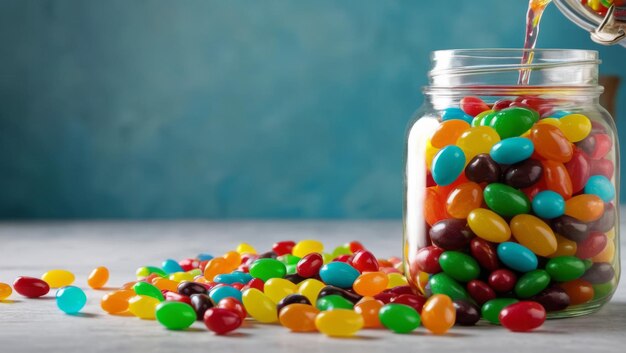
(229, 109)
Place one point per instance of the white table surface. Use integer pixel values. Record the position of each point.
(36, 325)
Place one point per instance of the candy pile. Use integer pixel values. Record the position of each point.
(518, 206)
(602, 6)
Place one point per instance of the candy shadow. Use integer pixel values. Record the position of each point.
(123, 314)
(84, 315)
(10, 301)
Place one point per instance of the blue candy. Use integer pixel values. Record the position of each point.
(548, 204)
(600, 186)
(517, 257)
(448, 164)
(204, 257)
(235, 277)
(339, 274)
(456, 114)
(559, 114)
(222, 292)
(71, 299)
(512, 150)
(171, 266)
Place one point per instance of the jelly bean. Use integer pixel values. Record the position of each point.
(339, 274)
(550, 143)
(505, 200)
(607, 254)
(483, 118)
(524, 174)
(170, 266)
(147, 289)
(502, 280)
(204, 257)
(600, 186)
(143, 307)
(299, 317)
(559, 114)
(467, 314)
(339, 323)
(596, 146)
(5, 291)
(58, 278)
(455, 114)
(259, 306)
(332, 302)
(473, 105)
(571, 228)
(175, 297)
(116, 302)
(534, 234)
(438, 314)
(550, 121)
(564, 247)
(548, 204)
(427, 259)
(233, 305)
(603, 290)
(517, 257)
(512, 150)
(441, 283)
(305, 247)
(485, 253)
(575, 127)
(412, 300)
(189, 288)
(513, 121)
(219, 293)
(578, 291)
(71, 299)
(278, 288)
(233, 277)
(579, 170)
(200, 304)
(215, 267)
(385, 297)
(430, 154)
(310, 265)
(365, 261)
(145, 271)
(98, 277)
(221, 321)
(463, 199)
(599, 273)
(182, 277)
(436, 210)
(585, 207)
(370, 283)
(602, 167)
(245, 248)
(233, 259)
(399, 318)
(459, 266)
(268, 268)
(310, 288)
(332, 290)
(502, 104)
(175, 315)
(488, 225)
(165, 284)
(448, 132)
(565, 268)
(477, 140)
(283, 247)
(552, 299)
(369, 310)
(523, 316)
(451, 234)
(31, 287)
(292, 299)
(592, 246)
(480, 291)
(448, 165)
(607, 221)
(188, 264)
(490, 311)
(483, 169)
(396, 279)
(532, 283)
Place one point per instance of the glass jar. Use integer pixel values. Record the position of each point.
(511, 190)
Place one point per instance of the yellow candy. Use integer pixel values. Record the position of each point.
(564, 247)
(259, 305)
(5, 291)
(606, 255)
(58, 278)
(476, 140)
(278, 288)
(339, 322)
(306, 247)
(550, 121)
(143, 307)
(488, 225)
(181, 276)
(575, 127)
(534, 234)
(611, 234)
(310, 288)
(430, 154)
(395, 280)
(165, 284)
(245, 248)
(195, 272)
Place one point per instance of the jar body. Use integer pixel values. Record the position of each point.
(515, 196)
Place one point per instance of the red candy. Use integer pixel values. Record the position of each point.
(189, 264)
(255, 283)
(523, 316)
(592, 246)
(283, 247)
(221, 321)
(355, 246)
(480, 291)
(31, 287)
(412, 300)
(233, 305)
(427, 259)
(175, 297)
(578, 169)
(485, 253)
(365, 261)
(310, 265)
(473, 105)
(502, 280)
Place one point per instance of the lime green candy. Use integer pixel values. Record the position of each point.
(332, 302)
(459, 266)
(289, 259)
(146, 271)
(175, 315)
(399, 318)
(514, 121)
(441, 283)
(532, 283)
(147, 289)
(505, 200)
(565, 268)
(483, 118)
(342, 250)
(601, 291)
(268, 268)
(291, 269)
(491, 309)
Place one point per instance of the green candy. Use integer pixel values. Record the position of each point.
(399, 318)
(148, 270)
(342, 250)
(175, 315)
(267, 268)
(505, 200)
(147, 289)
(333, 301)
(289, 259)
(514, 121)
(565, 268)
(459, 266)
(601, 291)
(532, 283)
(588, 263)
(492, 308)
(291, 269)
(195, 272)
(483, 118)
(441, 283)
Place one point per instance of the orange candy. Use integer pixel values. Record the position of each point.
(165, 284)
(233, 260)
(578, 290)
(434, 209)
(369, 308)
(216, 267)
(448, 132)
(557, 178)
(298, 317)
(585, 207)
(550, 143)
(438, 314)
(463, 199)
(116, 302)
(98, 277)
(370, 283)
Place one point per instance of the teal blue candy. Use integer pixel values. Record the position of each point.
(171, 266)
(559, 114)
(71, 299)
(517, 257)
(548, 204)
(600, 186)
(456, 114)
(235, 277)
(218, 293)
(448, 164)
(339, 274)
(204, 257)
(512, 150)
